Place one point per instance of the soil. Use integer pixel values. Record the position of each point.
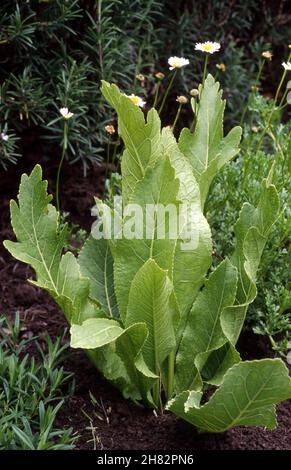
(113, 423)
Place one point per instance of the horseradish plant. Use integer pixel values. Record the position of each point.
(142, 308)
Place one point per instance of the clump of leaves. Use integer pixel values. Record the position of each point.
(31, 393)
(142, 307)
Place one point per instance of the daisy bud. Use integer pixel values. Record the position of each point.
(255, 129)
(110, 129)
(267, 55)
(140, 77)
(182, 99)
(160, 76)
(194, 92)
(221, 67)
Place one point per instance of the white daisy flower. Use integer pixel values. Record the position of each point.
(4, 136)
(287, 65)
(177, 62)
(208, 47)
(66, 113)
(137, 100)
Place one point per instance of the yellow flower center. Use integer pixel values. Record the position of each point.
(207, 47)
(134, 99)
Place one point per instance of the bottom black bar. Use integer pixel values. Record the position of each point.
(137, 459)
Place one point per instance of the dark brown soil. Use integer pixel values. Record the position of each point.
(113, 423)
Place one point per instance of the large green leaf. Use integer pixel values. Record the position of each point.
(128, 344)
(150, 302)
(246, 397)
(186, 268)
(110, 364)
(40, 244)
(94, 333)
(159, 186)
(251, 230)
(96, 263)
(203, 333)
(191, 264)
(206, 149)
(141, 139)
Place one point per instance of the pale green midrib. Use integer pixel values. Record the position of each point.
(208, 142)
(154, 232)
(105, 331)
(157, 369)
(38, 247)
(251, 401)
(216, 320)
(105, 282)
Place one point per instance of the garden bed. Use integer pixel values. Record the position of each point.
(111, 422)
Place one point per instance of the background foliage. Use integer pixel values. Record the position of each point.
(54, 53)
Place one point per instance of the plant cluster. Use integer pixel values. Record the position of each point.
(31, 392)
(158, 321)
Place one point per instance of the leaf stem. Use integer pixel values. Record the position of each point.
(65, 145)
(167, 91)
(171, 371)
(156, 392)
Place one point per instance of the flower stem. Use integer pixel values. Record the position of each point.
(205, 69)
(273, 108)
(281, 106)
(177, 117)
(157, 94)
(253, 91)
(167, 91)
(65, 145)
(195, 106)
(114, 159)
(107, 157)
